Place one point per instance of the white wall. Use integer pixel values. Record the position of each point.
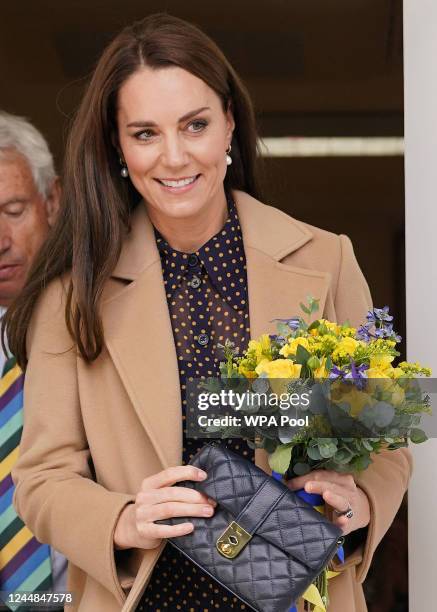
(420, 40)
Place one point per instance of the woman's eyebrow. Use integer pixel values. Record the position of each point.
(184, 118)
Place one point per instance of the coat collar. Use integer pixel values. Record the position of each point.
(263, 227)
(138, 332)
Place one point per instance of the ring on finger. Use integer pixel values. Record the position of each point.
(348, 513)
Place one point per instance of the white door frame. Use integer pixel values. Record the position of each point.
(420, 53)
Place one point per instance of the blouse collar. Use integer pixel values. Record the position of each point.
(222, 257)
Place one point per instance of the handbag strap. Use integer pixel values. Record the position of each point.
(260, 506)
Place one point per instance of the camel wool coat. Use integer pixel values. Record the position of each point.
(92, 433)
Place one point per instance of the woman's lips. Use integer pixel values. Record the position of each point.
(8, 271)
(178, 190)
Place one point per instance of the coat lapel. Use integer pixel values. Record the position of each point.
(137, 324)
(139, 338)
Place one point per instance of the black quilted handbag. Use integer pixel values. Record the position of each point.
(263, 543)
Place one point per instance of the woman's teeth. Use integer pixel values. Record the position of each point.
(180, 183)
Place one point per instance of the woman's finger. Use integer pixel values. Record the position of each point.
(167, 510)
(167, 494)
(171, 476)
(158, 532)
(321, 486)
(299, 482)
(336, 501)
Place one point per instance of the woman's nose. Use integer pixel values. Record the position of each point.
(174, 152)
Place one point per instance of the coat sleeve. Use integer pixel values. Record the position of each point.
(55, 494)
(386, 480)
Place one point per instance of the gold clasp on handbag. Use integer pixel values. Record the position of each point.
(233, 540)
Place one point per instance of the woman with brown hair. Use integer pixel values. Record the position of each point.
(161, 252)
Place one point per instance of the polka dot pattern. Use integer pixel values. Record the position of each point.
(203, 315)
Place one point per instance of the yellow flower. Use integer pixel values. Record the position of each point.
(261, 348)
(348, 345)
(381, 361)
(345, 348)
(377, 373)
(280, 368)
(331, 327)
(356, 399)
(348, 331)
(398, 395)
(245, 369)
(321, 372)
(396, 373)
(293, 343)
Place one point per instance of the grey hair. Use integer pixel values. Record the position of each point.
(18, 134)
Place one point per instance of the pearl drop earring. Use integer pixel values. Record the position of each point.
(228, 157)
(124, 171)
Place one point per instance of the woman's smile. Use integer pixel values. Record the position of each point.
(178, 185)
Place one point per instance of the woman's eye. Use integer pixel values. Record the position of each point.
(198, 126)
(194, 126)
(144, 135)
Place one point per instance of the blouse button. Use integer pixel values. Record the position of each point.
(203, 339)
(195, 282)
(193, 260)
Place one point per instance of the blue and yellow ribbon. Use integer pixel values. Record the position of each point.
(312, 594)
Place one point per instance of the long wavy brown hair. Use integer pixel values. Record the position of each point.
(96, 203)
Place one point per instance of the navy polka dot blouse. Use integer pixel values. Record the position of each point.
(208, 303)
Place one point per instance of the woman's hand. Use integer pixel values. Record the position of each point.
(158, 499)
(340, 493)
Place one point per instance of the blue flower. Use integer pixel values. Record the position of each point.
(382, 321)
(293, 323)
(363, 332)
(381, 314)
(351, 373)
(276, 338)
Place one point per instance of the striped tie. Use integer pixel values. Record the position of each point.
(24, 562)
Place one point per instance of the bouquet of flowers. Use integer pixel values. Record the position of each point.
(356, 389)
(361, 402)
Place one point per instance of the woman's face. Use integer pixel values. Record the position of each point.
(173, 135)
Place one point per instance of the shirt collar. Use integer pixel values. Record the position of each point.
(222, 257)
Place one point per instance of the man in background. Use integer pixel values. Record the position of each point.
(29, 202)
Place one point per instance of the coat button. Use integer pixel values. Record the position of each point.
(193, 260)
(195, 282)
(203, 339)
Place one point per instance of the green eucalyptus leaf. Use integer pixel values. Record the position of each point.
(314, 305)
(367, 445)
(361, 463)
(280, 459)
(418, 436)
(305, 308)
(300, 469)
(326, 440)
(343, 456)
(313, 453)
(260, 385)
(384, 413)
(327, 450)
